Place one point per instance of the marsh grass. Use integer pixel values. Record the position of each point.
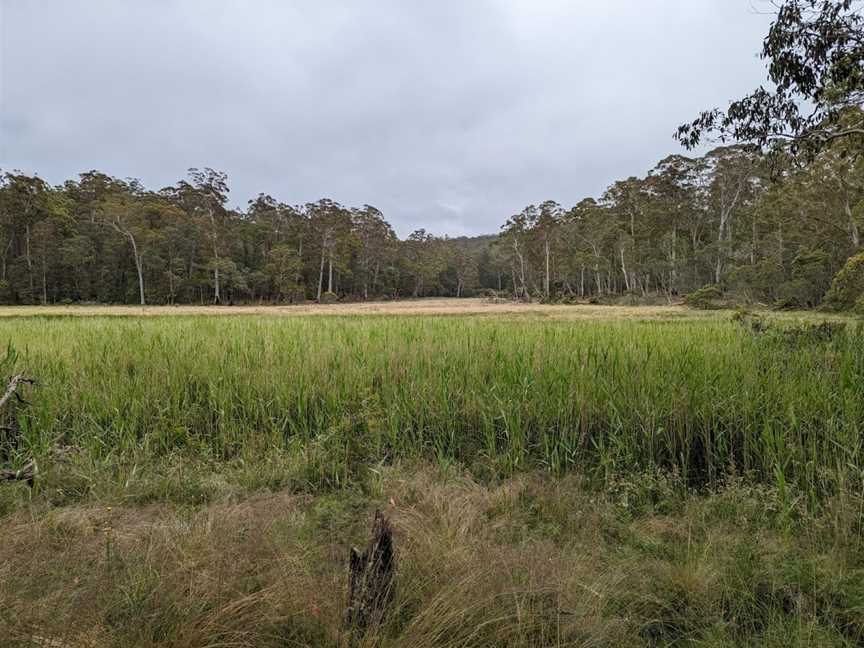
(337, 396)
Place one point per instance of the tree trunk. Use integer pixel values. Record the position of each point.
(321, 272)
(366, 278)
(29, 259)
(546, 278)
(854, 232)
(753, 244)
(217, 293)
(673, 262)
(44, 282)
(524, 289)
(139, 266)
(298, 278)
(140, 270)
(375, 276)
(624, 270)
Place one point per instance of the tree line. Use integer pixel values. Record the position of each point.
(771, 218)
(761, 227)
(102, 239)
(764, 227)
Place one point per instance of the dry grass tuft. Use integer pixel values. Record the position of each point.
(531, 561)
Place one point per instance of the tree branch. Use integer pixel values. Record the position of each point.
(11, 388)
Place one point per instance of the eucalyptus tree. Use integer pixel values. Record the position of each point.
(425, 262)
(516, 232)
(545, 222)
(123, 212)
(733, 184)
(814, 53)
(26, 201)
(376, 242)
(627, 200)
(204, 197)
(331, 223)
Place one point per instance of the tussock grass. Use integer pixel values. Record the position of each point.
(532, 561)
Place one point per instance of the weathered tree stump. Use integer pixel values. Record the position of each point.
(371, 578)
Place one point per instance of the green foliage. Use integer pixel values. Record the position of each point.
(813, 49)
(810, 278)
(705, 298)
(847, 288)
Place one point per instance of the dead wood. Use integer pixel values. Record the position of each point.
(27, 474)
(9, 433)
(12, 388)
(371, 578)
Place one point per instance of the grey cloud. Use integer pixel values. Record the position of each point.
(448, 115)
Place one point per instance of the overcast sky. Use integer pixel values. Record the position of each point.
(446, 114)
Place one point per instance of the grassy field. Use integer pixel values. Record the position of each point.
(599, 476)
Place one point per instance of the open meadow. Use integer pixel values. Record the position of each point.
(554, 475)
(398, 325)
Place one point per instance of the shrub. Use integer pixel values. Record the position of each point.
(847, 288)
(705, 298)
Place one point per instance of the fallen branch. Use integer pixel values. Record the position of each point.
(11, 388)
(27, 473)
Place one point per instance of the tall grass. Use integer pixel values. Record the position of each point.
(701, 398)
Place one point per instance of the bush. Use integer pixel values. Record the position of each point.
(847, 288)
(705, 298)
(811, 276)
(796, 293)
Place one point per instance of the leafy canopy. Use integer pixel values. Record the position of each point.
(815, 58)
